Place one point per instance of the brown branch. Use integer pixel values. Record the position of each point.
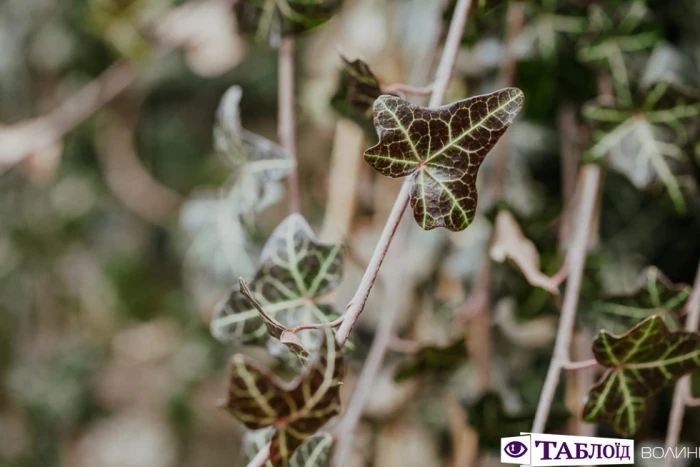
(23, 139)
(286, 119)
(342, 181)
(682, 393)
(582, 365)
(127, 177)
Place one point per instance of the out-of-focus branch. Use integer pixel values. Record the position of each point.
(682, 393)
(589, 181)
(286, 120)
(478, 332)
(342, 181)
(23, 139)
(127, 177)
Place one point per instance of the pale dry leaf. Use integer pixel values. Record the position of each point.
(207, 32)
(510, 243)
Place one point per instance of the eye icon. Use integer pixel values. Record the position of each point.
(515, 449)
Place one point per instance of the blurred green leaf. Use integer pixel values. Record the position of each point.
(640, 363)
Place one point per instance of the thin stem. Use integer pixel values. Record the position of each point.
(589, 180)
(24, 139)
(582, 365)
(449, 52)
(370, 370)
(682, 393)
(286, 119)
(261, 457)
(358, 301)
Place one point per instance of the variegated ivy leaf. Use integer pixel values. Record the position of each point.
(358, 90)
(547, 21)
(295, 273)
(640, 363)
(258, 163)
(613, 38)
(314, 452)
(441, 150)
(654, 294)
(296, 409)
(645, 141)
(271, 19)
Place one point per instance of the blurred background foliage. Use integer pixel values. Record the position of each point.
(109, 244)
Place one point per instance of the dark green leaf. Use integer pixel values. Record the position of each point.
(433, 359)
(491, 421)
(298, 408)
(258, 164)
(614, 38)
(640, 364)
(358, 90)
(441, 150)
(295, 272)
(645, 141)
(654, 294)
(271, 19)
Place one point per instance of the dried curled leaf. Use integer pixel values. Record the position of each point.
(258, 164)
(272, 19)
(441, 150)
(509, 242)
(653, 294)
(358, 90)
(298, 408)
(433, 359)
(295, 272)
(646, 141)
(640, 364)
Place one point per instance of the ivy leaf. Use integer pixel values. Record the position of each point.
(544, 26)
(490, 419)
(653, 294)
(295, 272)
(441, 150)
(298, 408)
(432, 358)
(271, 19)
(509, 242)
(640, 364)
(258, 163)
(314, 452)
(358, 90)
(614, 38)
(645, 141)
